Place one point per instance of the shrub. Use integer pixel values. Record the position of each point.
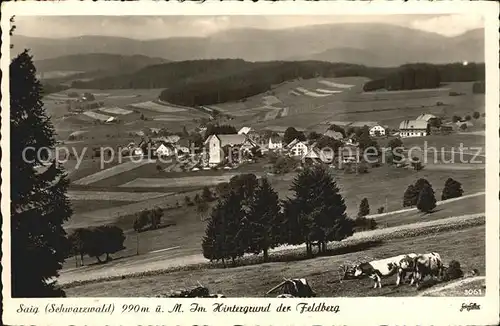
(380, 210)
(453, 271)
(364, 224)
(456, 118)
(468, 118)
(476, 115)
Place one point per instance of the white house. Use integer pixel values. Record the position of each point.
(216, 144)
(275, 143)
(165, 150)
(377, 130)
(413, 128)
(297, 148)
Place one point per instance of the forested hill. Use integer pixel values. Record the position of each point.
(221, 70)
(421, 75)
(96, 62)
(201, 82)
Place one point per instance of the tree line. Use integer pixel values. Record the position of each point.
(421, 75)
(250, 218)
(421, 194)
(96, 241)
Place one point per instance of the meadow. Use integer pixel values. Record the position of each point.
(465, 245)
(116, 194)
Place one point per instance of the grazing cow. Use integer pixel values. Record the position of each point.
(284, 295)
(377, 269)
(406, 265)
(298, 288)
(427, 265)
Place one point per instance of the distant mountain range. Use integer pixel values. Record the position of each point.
(369, 44)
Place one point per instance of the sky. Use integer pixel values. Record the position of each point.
(153, 27)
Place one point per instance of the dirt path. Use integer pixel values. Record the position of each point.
(169, 259)
(452, 285)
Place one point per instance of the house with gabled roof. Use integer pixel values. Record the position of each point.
(413, 128)
(297, 148)
(217, 143)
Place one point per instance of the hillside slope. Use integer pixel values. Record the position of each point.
(95, 62)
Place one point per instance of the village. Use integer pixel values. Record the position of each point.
(248, 143)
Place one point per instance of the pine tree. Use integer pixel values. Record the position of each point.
(318, 208)
(264, 220)
(410, 196)
(223, 239)
(452, 189)
(364, 208)
(39, 205)
(426, 199)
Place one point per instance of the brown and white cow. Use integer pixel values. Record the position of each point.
(427, 265)
(406, 266)
(377, 269)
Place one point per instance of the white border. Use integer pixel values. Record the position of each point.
(382, 310)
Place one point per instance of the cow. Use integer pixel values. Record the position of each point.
(284, 295)
(298, 288)
(404, 266)
(377, 269)
(427, 265)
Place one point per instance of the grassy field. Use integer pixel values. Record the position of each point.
(388, 182)
(187, 229)
(467, 246)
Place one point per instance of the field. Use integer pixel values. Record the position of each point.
(150, 105)
(114, 195)
(466, 245)
(117, 169)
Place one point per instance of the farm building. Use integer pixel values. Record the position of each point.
(334, 134)
(374, 127)
(426, 117)
(182, 146)
(315, 154)
(165, 150)
(413, 128)
(297, 148)
(216, 144)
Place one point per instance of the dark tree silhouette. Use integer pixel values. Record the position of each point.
(264, 220)
(426, 199)
(452, 189)
(364, 208)
(39, 205)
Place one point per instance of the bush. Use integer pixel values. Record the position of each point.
(476, 115)
(453, 271)
(364, 224)
(456, 118)
(380, 210)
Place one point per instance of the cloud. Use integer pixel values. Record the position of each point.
(449, 25)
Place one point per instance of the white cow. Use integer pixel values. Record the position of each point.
(377, 269)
